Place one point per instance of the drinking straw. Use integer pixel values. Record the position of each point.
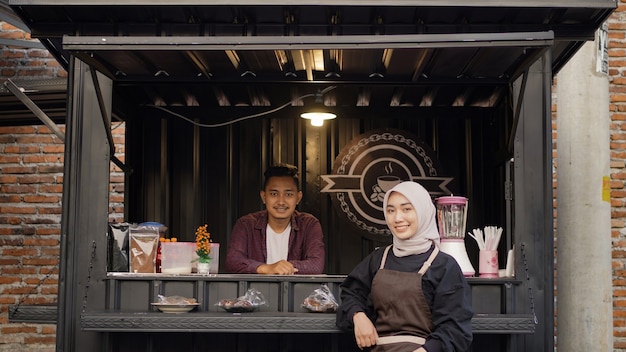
(488, 240)
(478, 237)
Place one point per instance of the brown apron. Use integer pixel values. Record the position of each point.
(404, 319)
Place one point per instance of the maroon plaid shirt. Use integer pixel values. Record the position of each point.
(247, 247)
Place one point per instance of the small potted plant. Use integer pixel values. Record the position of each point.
(203, 249)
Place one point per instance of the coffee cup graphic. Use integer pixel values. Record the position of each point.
(386, 182)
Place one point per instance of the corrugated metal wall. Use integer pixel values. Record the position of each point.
(185, 176)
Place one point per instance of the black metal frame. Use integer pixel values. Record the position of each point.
(83, 271)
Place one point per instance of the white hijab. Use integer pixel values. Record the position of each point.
(427, 231)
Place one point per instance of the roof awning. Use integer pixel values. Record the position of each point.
(253, 54)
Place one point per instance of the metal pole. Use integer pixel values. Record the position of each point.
(35, 109)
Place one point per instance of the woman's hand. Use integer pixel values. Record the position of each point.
(364, 331)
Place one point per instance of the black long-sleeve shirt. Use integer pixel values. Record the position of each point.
(444, 286)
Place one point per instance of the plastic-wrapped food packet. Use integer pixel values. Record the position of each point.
(117, 242)
(250, 301)
(176, 300)
(143, 245)
(321, 300)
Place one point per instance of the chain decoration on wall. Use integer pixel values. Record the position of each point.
(93, 256)
(530, 288)
(13, 310)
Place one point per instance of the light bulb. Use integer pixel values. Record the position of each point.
(317, 118)
(317, 122)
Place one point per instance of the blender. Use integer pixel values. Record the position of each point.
(451, 217)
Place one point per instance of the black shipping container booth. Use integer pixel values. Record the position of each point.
(211, 94)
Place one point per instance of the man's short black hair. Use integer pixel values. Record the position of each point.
(282, 170)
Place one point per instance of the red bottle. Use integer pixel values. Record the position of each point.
(158, 256)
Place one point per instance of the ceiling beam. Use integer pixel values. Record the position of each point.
(406, 41)
(315, 84)
(390, 3)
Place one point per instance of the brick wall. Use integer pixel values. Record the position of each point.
(16, 62)
(31, 185)
(617, 90)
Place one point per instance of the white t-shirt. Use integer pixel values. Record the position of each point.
(277, 244)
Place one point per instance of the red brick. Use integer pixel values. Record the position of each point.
(10, 199)
(17, 189)
(55, 188)
(35, 179)
(41, 199)
(58, 149)
(40, 242)
(17, 130)
(39, 340)
(19, 169)
(18, 210)
(9, 159)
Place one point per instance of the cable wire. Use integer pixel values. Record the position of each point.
(235, 120)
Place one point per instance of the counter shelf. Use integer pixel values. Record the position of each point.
(132, 292)
(33, 313)
(266, 322)
(129, 296)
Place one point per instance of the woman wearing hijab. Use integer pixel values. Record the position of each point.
(408, 296)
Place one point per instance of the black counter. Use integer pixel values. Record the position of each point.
(130, 295)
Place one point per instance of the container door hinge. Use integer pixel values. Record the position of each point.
(508, 190)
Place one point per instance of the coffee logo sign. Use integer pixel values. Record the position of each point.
(370, 165)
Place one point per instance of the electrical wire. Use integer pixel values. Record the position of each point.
(237, 119)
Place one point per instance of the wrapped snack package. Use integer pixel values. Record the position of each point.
(321, 300)
(175, 304)
(175, 300)
(143, 245)
(246, 303)
(117, 242)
